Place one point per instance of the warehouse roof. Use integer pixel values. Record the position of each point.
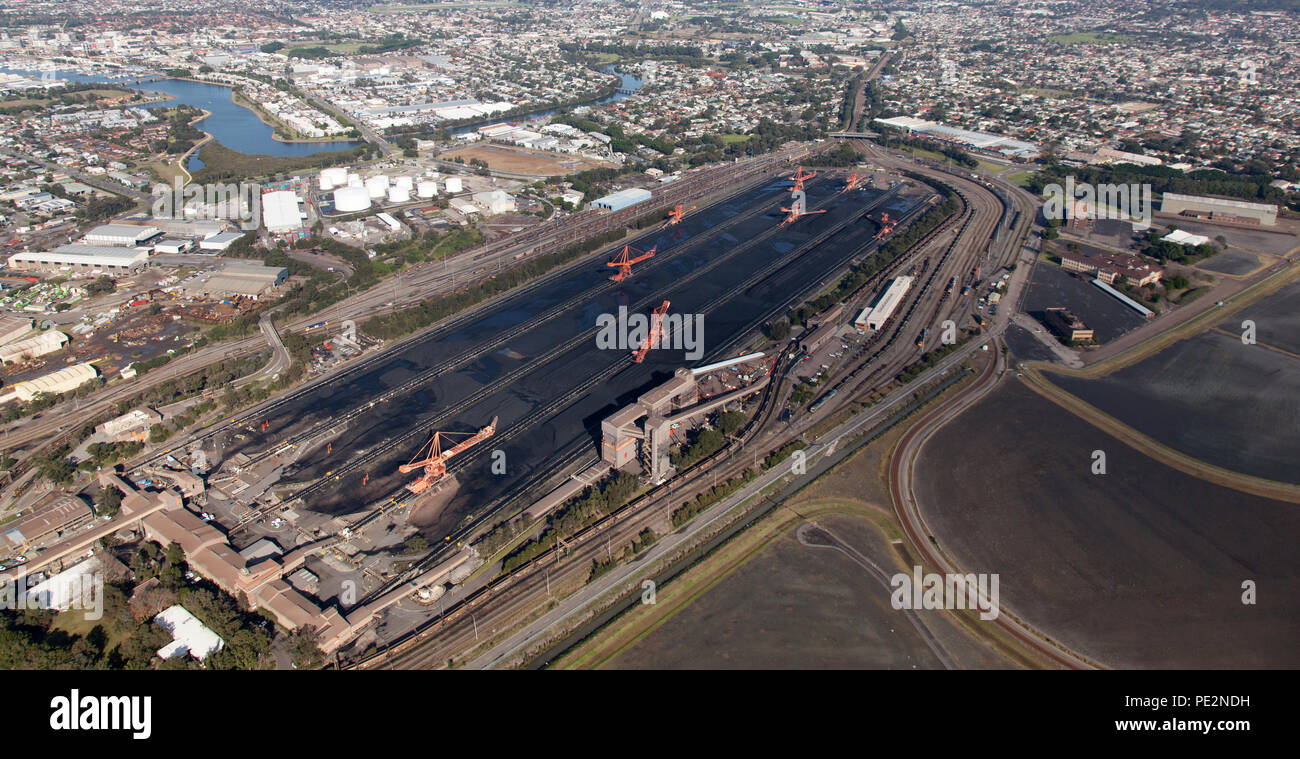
(280, 211)
(1220, 202)
(127, 232)
(84, 255)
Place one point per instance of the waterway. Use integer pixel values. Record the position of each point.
(630, 83)
(232, 125)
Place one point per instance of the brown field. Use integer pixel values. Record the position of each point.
(522, 160)
(1140, 567)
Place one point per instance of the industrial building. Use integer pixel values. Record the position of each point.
(65, 514)
(248, 280)
(621, 199)
(1070, 327)
(816, 338)
(121, 235)
(219, 241)
(280, 211)
(495, 202)
(1109, 267)
(55, 383)
(1219, 209)
(642, 431)
(992, 144)
(875, 315)
(172, 247)
(22, 350)
(133, 425)
(85, 258)
(13, 327)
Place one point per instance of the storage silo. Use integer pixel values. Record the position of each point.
(377, 186)
(350, 199)
(454, 185)
(427, 189)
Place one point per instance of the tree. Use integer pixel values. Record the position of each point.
(101, 285)
(109, 501)
(303, 650)
(158, 434)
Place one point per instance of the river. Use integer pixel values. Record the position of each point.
(239, 129)
(232, 125)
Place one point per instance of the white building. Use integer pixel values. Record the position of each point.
(189, 635)
(22, 350)
(280, 211)
(82, 258)
(54, 383)
(495, 202)
(125, 235)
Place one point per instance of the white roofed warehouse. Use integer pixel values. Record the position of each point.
(124, 235)
(622, 199)
(82, 258)
(280, 211)
(55, 383)
(1219, 209)
(22, 350)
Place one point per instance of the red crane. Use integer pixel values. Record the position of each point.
(656, 332)
(675, 215)
(855, 181)
(433, 459)
(624, 260)
(800, 177)
(796, 212)
(886, 226)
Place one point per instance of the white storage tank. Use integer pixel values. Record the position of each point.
(399, 194)
(354, 180)
(377, 186)
(454, 185)
(350, 199)
(334, 176)
(406, 182)
(427, 189)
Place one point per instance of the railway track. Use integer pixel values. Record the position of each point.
(756, 277)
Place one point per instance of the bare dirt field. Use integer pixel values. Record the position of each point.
(522, 160)
(792, 606)
(1212, 397)
(795, 605)
(1140, 567)
(1277, 319)
(1232, 262)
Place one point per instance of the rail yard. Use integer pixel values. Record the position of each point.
(983, 237)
